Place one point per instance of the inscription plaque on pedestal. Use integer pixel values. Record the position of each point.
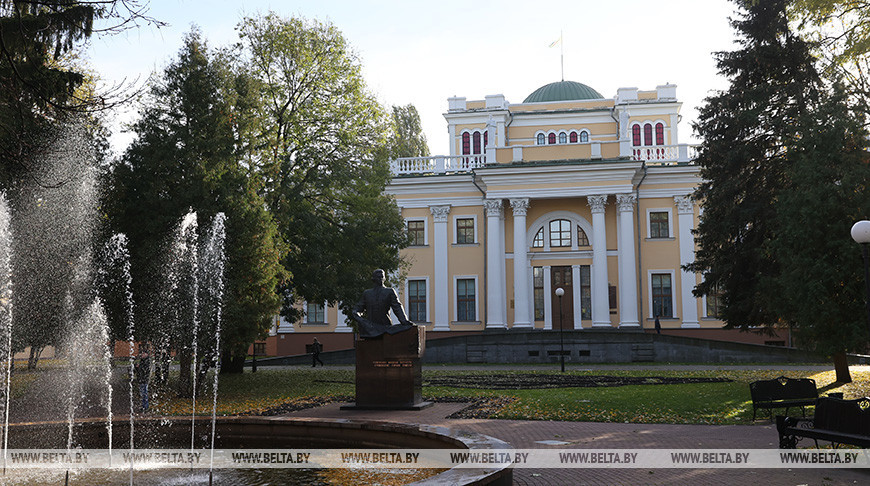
(388, 372)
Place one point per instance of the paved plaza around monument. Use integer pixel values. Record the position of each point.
(522, 434)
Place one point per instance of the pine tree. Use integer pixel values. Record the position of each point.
(186, 156)
(746, 132)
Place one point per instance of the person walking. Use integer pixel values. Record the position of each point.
(658, 325)
(315, 354)
(143, 376)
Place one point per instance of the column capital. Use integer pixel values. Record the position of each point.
(439, 213)
(520, 206)
(493, 207)
(597, 203)
(625, 202)
(685, 205)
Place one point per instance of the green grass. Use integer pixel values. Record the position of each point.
(697, 403)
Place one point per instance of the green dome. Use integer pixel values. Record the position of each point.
(563, 91)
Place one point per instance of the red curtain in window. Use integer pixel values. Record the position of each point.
(573, 137)
(466, 143)
(551, 138)
(635, 135)
(476, 142)
(485, 139)
(647, 134)
(660, 134)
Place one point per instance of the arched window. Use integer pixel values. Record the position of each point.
(551, 138)
(466, 143)
(538, 242)
(563, 137)
(635, 135)
(541, 139)
(660, 134)
(647, 134)
(573, 137)
(476, 142)
(560, 233)
(584, 137)
(582, 239)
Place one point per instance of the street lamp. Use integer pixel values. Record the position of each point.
(559, 293)
(861, 235)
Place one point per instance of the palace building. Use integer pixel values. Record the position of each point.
(566, 190)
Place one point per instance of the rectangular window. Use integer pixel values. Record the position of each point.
(560, 233)
(658, 224)
(464, 230)
(417, 300)
(417, 232)
(465, 303)
(315, 314)
(586, 291)
(714, 302)
(662, 298)
(538, 275)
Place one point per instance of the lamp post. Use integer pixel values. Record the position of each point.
(559, 293)
(861, 235)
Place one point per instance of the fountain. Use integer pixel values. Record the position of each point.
(50, 230)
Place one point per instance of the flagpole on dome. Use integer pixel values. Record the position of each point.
(561, 52)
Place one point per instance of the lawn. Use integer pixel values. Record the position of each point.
(690, 403)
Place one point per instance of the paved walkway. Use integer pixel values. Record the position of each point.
(583, 435)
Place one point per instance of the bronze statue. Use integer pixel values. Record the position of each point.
(377, 302)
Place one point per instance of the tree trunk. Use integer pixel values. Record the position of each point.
(33, 359)
(184, 381)
(232, 364)
(841, 366)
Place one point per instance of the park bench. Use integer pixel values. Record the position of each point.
(784, 393)
(836, 420)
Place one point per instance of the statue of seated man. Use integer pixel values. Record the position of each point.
(376, 304)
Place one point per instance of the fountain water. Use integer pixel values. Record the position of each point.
(214, 262)
(5, 314)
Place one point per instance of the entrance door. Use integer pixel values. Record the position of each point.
(561, 277)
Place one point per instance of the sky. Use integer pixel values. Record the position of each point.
(423, 52)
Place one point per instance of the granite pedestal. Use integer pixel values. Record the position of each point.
(389, 375)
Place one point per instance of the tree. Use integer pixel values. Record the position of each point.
(38, 90)
(840, 32)
(785, 175)
(820, 284)
(321, 148)
(407, 139)
(746, 132)
(186, 156)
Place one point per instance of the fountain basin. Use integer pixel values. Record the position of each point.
(272, 433)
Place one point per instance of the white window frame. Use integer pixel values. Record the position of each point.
(649, 212)
(456, 279)
(580, 136)
(407, 297)
(559, 135)
(673, 292)
(305, 314)
(456, 219)
(425, 221)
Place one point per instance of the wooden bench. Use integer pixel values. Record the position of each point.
(784, 393)
(836, 420)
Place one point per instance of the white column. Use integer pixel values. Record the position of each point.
(441, 284)
(627, 262)
(600, 293)
(522, 314)
(342, 321)
(548, 298)
(495, 304)
(686, 211)
(578, 306)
